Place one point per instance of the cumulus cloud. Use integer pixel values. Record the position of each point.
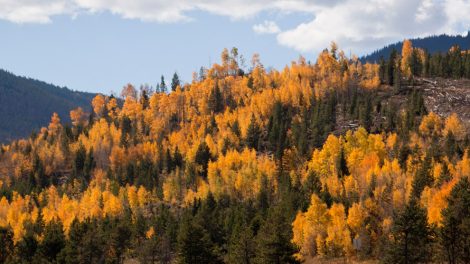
(33, 11)
(41, 11)
(363, 25)
(267, 27)
(356, 25)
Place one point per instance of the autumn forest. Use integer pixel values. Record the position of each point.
(315, 162)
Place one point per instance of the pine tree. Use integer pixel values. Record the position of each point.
(27, 247)
(6, 244)
(274, 240)
(73, 248)
(411, 236)
(423, 177)
(203, 156)
(455, 234)
(391, 68)
(342, 165)
(163, 88)
(242, 246)
(175, 82)
(382, 70)
(53, 241)
(215, 101)
(277, 130)
(79, 163)
(252, 134)
(194, 245)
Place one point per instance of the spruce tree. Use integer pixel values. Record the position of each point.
(242, 246)
(194, 245)
(252, 134)
(163, 88)
(6, 244)
(423, 177)
(203, 156)
(455, 233)
(274, 240)
(53, 241)
(411, 236)
(175, 82)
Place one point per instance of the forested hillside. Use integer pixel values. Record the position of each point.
(27, 104)
(432, 44)
(317, 161)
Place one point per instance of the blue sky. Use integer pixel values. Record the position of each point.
(103, 52)
(100, 45)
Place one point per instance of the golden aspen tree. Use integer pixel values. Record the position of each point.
(129, 91)
(54, 125)
(454, 125)
(309, 228)
(112, 107)
(406, 52)
(338, 240)
(77, 116)
(431, 125)
(99, 104)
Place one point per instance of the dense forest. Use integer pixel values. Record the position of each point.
(307, 163)
(27, 104)
(432, 44)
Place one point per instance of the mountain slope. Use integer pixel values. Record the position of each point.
(27, 104)
(432, 44)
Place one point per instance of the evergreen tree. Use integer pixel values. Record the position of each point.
(423, 177)
(366, 114)
(391, 68)
(277, 130)
(53, 241)
(118, 240)
(415, 63)
(175, 82)
(79, 163)
(163, 88)
(216, 100)
(73, 247)
(27, 247)
(411, 236)
(177, 158)
(203, 156)
(382, 70)
(236, 128)
(343, 170)
(274, 240)
(455, 234)
(6, 244)
(242, 247)
(252, 134)
(194, 245)
(89, 165)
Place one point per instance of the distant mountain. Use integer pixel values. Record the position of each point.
(432, 44)
(27, 104)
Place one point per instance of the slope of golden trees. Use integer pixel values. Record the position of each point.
(237, 137)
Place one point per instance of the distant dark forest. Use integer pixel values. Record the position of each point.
(27, 104)
(433, 44)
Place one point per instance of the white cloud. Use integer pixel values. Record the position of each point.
(364, 25)
(41, 11)
(267, 27)
(356, 25)
(33, 11)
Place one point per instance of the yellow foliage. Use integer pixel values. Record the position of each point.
(431, 125)
(99, 104)
(454, 125)
(240, 174)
